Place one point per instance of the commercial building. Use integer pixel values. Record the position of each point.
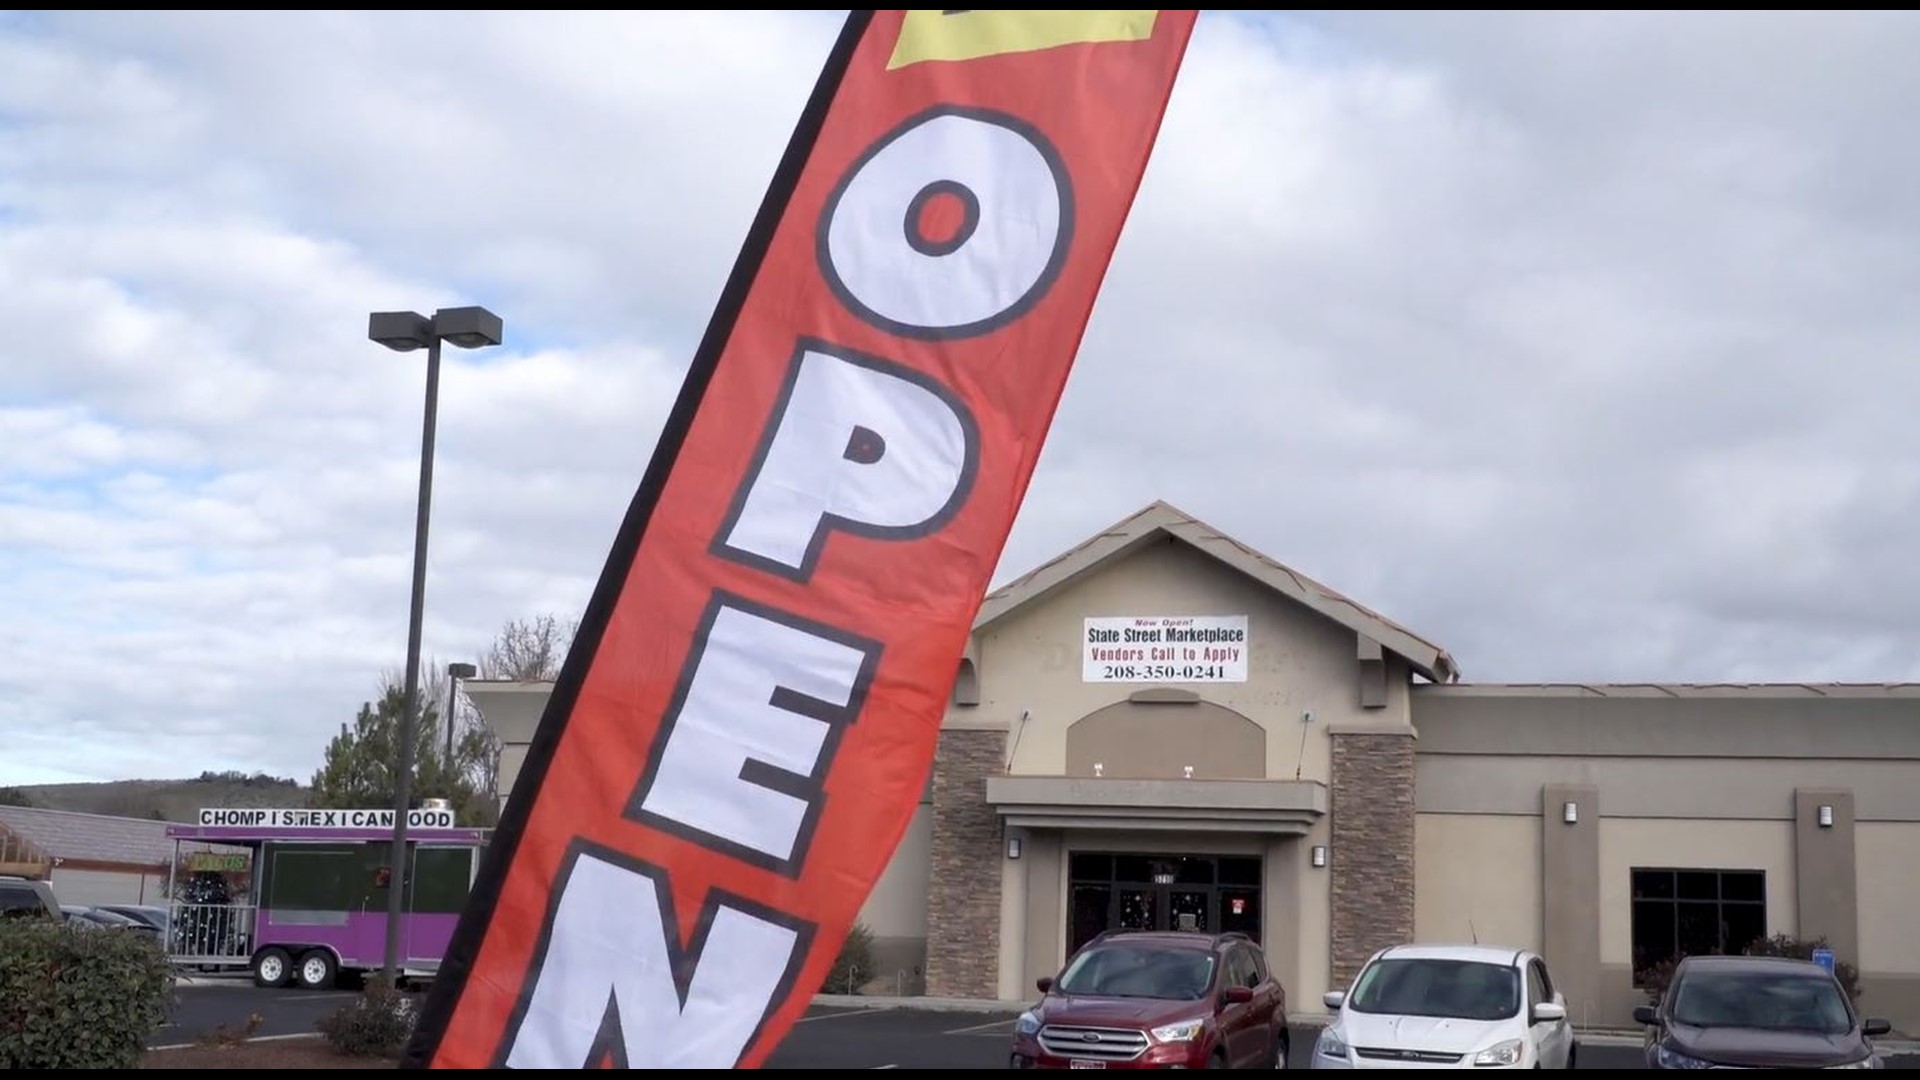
(1163, 727)
(88, 859)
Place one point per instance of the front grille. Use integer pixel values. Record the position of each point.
(1106, 1044)
(1425, 1057)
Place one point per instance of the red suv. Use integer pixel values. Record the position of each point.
(1136, 1000)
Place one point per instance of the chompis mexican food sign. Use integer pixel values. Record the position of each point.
(749, 713)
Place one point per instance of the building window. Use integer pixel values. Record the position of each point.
(1679, 913)
(1120, 891)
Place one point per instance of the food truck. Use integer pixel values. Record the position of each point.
(300, 896)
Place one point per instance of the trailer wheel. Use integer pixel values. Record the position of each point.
(317, 970)
(272, 967)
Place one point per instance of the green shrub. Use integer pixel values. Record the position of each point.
(376, 1023)
(853, 968)
(1788, 945)
(1654, 980)
(76, 997)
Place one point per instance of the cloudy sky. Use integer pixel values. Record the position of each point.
(1584, 344)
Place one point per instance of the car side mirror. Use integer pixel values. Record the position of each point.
(1644, 1014)
(1236, 995)
(1871, 1028)
(1044, 982)
(1333, 999)
(1547, 1011)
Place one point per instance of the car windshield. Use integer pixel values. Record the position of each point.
(153, 917)
(1137, 971)
(1763, 1000)
(1454, 989)
(109, 918)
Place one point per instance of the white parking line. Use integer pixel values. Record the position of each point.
(997, 1027)
(886, 1066)
(846, 1013)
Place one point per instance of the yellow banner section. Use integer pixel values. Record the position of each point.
(970, 35)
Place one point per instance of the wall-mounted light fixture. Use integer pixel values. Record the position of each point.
(1826, 817)
(1099, 769)
(1186, 771)
(1570, 812)
(1319, 856)
(1013, 847)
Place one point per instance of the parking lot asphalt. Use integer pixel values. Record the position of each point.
(827, 1037)
(843, 1038)
(200, 1011)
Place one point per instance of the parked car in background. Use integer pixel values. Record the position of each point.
(21, 898)
(1757, 1012)
(151, 914)
(102, 919)
(1448, 1007)
(1143, 1000)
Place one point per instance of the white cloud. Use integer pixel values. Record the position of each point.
(1579, 342)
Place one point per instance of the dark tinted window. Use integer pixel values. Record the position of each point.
(1140, 971)
(1240, 969)
(1786, 1001)
(1259, 961)
(1456, 989)
(1546, 981)
(19, 901)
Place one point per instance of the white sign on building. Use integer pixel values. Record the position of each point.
(1164, 649)
(288, 818)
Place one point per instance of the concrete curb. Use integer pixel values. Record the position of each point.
(254, 1039)
(190, 982)
(1587, 1036)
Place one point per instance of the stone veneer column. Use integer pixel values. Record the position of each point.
(963, 894)
(1372, 857)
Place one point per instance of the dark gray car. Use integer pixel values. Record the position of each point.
(1757, 1012)
(21, 898)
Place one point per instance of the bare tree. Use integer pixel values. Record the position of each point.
(529, 650)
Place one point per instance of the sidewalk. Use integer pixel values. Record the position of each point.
(1591, 1036)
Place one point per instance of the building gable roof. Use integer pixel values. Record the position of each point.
(1161, 519)
(67, 834)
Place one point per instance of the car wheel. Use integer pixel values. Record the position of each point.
(272, 968)
(1283, 1051)
(317, 969)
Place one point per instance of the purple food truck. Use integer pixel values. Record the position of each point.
(300, 896)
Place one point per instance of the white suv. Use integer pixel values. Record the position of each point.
(1448, 1007)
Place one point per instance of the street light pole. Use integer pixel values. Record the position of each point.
(455, 672)
(468, 328)
(403, 778)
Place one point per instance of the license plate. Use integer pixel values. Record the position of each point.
(1084, 1063)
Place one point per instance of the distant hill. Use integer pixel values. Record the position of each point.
(168, 800)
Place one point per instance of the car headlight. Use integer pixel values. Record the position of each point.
(1500, 1053)
(1184, 1031)
(1027, 1024)
(1668, 1058)
(1331, 1045)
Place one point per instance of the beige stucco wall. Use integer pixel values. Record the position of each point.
(897, 906)
(1477, 877)
(1298, 662)
(1888, 866)
(1693, 845)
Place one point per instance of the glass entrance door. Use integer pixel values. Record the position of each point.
(1202, 893)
